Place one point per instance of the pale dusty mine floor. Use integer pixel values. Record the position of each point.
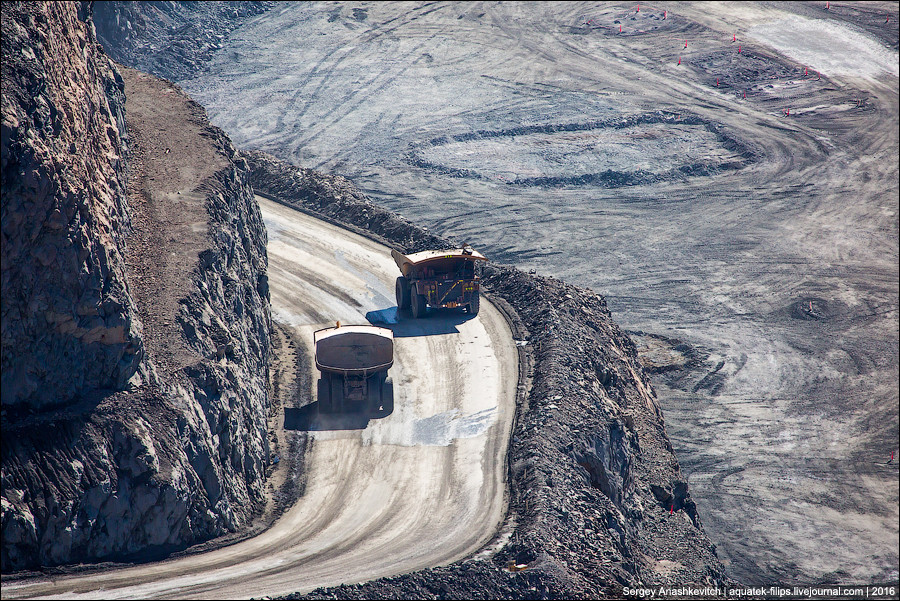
(739, 208)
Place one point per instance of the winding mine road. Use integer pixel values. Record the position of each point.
(421, 487)
(757, 232)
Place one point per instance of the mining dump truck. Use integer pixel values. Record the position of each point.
(438, 278)
(354, 361)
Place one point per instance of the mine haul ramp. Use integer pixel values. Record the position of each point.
(438, 278)
(354, 361)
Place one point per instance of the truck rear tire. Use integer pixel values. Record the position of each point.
(475, 304)
(402, 291)
(323, 395)
(419, 305)
(373, 391)
(387, 398)
(337, 394)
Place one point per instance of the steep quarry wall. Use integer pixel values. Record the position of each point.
(597, 500)
(135, 307)
(69, 324)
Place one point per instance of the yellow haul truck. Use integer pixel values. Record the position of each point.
(354, 361)
(438, 278)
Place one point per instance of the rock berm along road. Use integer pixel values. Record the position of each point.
(421, 487)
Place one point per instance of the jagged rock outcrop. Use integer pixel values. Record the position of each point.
(598, 501)
(69, 324)
(135, 307)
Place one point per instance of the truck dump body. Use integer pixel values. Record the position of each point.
(438, 278)
(354, 361)
(442, 261)
(354, 350)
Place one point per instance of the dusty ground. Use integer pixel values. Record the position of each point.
(739, 208)
(161, 187)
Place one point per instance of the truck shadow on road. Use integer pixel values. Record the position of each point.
(310, 419)
(403, 325)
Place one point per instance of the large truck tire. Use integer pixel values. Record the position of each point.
(419, 305)
(402, 291)
(373, 391)
(337, 393)
(323, 394)
(475, 304)
(387, 398)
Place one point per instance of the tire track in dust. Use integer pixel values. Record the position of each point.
(372, 34)
(344, 107)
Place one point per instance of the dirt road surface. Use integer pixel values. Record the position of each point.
(421, 487)
(725, 173)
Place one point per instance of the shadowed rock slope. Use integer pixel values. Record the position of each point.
(597, 499)
(135, 315)
(169, 39)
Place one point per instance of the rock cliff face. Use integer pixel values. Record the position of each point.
(66, 310)
(135, 307)
(598, 501)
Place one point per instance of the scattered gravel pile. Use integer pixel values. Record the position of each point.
(597, 499)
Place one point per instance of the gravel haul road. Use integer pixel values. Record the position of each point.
(423, 486)
(724, 173)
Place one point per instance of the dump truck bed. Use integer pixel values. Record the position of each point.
(406, 263)
(354, 350)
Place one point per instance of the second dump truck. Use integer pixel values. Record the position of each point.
(354, 361)
(438, 278)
